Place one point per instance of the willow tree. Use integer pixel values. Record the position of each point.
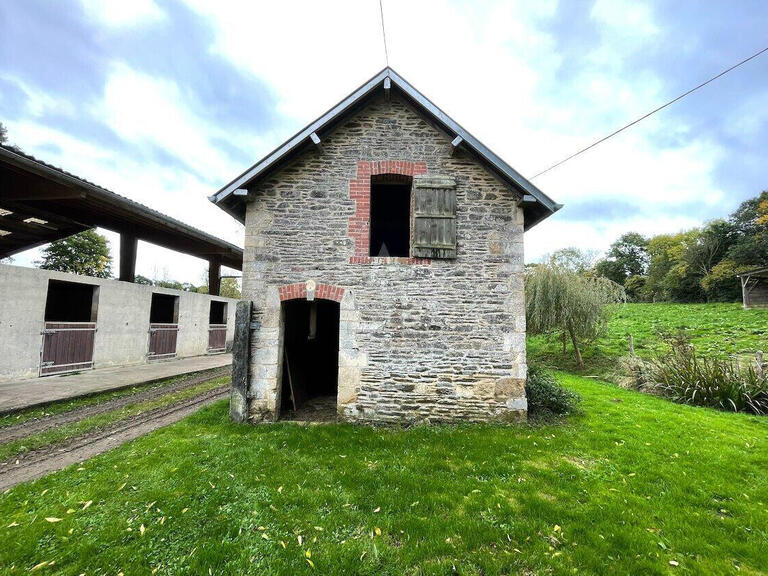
(558, 300)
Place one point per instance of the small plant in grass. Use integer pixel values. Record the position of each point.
(545, 396)
(684, 376)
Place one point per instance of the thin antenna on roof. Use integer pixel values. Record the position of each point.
(384, 33)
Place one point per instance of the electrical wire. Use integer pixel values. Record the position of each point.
(384, 33)
(651, 113)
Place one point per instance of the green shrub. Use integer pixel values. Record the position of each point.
(683, 376)
(546, 396)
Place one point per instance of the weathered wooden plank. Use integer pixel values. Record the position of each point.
(434, 218)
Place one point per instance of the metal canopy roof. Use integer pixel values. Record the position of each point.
(537, 206)
(40, 203)
(761, 272)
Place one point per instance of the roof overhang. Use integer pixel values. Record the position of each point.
(41, 203)
(536, 204)
(761, 272)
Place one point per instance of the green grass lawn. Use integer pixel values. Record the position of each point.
(635, 484)
(61, 433)
(720, 329)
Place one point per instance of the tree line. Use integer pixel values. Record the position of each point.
(696, 265)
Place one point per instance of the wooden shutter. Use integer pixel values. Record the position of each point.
(434, 217)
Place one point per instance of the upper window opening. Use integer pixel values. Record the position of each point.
(164, 309)
(71, 302)
(218, 312)
(390, 215)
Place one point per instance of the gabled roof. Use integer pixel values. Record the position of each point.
(536, 205)
(40, 203)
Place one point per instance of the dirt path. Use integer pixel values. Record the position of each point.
(48, 459)
(37, 425)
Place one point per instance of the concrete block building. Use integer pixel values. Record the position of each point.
(384, 262)
(55, 323)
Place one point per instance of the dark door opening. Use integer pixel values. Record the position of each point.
(390, 215)
(217, 327)
(164, 309)
(163, 325)
(70, 327)
(309, 386)
(71, 302)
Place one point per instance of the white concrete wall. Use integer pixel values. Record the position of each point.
(122, 335)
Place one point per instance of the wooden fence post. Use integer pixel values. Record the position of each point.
(241, 352)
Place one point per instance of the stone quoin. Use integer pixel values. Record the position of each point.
(384, 264)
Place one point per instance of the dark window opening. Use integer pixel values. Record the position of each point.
(164, 309)
(71, 302)
(218, 313)
(310, 359)
(390, 215)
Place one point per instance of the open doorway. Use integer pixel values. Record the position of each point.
(310, 384)
(71, 302)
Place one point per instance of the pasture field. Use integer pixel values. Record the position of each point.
(718, 329)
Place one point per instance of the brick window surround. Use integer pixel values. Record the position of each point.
(298, 291)
(360, 221)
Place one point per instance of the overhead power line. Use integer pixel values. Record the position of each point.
(651, 113)
(384, 33)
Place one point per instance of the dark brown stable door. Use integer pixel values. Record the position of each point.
(67, 347)
(162, 340)
(217, 338)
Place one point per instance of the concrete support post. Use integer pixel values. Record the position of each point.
(241, 352)
(214, 276)
(128, 246)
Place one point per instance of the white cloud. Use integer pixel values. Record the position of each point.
(119, 13)
(312, 53)
(627, 18)
(38, 102)
(497, 71)
(146, 110)
(500, 69)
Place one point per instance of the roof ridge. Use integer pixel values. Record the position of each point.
(276, 156)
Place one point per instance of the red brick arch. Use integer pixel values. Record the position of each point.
(360, 192)
(298, 291)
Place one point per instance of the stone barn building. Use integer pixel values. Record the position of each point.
(384, 264)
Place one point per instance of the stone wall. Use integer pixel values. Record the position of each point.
(420, 340)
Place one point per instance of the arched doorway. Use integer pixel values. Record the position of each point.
(310, 356)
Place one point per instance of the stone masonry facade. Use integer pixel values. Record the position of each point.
(421, 340)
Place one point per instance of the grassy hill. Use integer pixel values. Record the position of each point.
(635, 485)
(720, 329)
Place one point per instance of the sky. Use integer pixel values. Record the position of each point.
(167, 101)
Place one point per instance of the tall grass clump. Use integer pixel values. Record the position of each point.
(686, 377)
